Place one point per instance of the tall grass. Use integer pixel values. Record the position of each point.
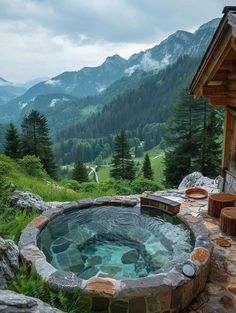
(30, 284)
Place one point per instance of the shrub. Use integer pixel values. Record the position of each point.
(141, 184)
(71, 183)
(88, 187)
(32, 166)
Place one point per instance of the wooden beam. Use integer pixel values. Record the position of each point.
(214, 100)
(217, 83)
(221, 75)
(231, 85)
(231, 101)
(231, 111)
(215, 90)
(232, 75)
(228, 134)
(227, 65)
(233, 43)
(215, 62)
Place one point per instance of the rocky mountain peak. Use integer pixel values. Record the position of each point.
(211, 24)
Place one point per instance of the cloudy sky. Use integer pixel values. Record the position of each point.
(46, 37)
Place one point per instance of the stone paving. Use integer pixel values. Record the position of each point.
(219, 295)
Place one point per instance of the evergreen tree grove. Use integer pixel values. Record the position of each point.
(12, 142)
(80, 172)
(122, 162)
(193, 140)
(36, 141)
(147, 168)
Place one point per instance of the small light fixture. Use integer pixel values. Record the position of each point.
(189, 270)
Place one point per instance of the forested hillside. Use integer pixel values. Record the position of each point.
(143, 112)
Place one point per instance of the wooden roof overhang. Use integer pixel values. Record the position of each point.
(215, 78)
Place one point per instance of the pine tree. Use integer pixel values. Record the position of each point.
(192, 140)
(80, 172)
(12, 142)
(147, 168)
(179, 141)
(36, 141)
(122, 162)
(207, 159)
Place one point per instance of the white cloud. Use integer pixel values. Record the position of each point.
(53, 82)
(47, 37)
(149, 64)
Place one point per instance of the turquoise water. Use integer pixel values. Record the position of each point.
(119, 242)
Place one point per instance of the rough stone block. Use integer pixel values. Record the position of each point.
(31, 253)
(63, 280)
(99, 304)
(165, 299)
(187, 294)
(153, 304)
(137, 305)
(28, 236)
(176, 295)
(144, 287)
(119, 306)
(53, 212)
(102, 286)
(39, 221)
(44, 269)
(200, 255)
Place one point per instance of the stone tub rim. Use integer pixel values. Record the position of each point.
(110, 287)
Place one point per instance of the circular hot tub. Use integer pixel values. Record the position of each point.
(118, 242)
(124, 257)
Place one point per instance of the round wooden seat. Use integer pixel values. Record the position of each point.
(228, 220)
(218, 201)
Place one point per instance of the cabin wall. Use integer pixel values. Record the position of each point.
(229, 182)
(229, 152)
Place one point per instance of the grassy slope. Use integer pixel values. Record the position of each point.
(13, 220)
(47, 188)
(157, 159)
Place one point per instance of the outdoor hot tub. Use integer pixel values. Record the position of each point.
(124, 257)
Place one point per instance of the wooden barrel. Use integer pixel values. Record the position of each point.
(218, 201)
(228, 220)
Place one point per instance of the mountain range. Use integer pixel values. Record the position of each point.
(74, 92)
(10, 90)
(86, 108)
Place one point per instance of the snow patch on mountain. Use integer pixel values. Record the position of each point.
(53, 82)
(149, 64)
(22, 105)
(53, 103)
(100, 89)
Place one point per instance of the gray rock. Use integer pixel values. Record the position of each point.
(94, 260)
(130, 257)
(63, 280)
(12, 302)
(28, 236)
(60, 245)
(88, 273)
(9, 260)
(197, 179)
(28, 200)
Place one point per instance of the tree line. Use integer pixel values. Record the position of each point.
(32, 140)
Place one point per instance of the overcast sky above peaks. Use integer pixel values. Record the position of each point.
(47, 37)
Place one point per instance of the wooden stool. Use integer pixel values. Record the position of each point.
(228, 220)
(218, 201)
